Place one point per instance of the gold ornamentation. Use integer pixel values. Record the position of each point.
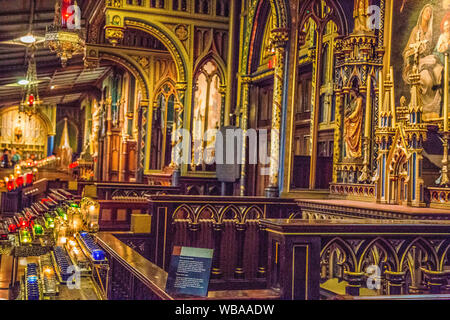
(182, 32)
(114, 3)
(360, 15)
(116, 20)
(279, 39)
(62, 40)
(114, 34)
(166, 41)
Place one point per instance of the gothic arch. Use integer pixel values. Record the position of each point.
(217, 61)
(337, 14)
(51, 130)
(257, 16)
(130, 65)
(264, 9)
(171, 42)
(280, 14)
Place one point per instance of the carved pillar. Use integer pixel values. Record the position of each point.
(416, 135)
(262, 259)
(366, 172)
(106, 172)
(123, 145)
(444, 180)
(396, 281)
(435, 280)
(337, 134)
(223, 93)
(240, 240)
(355, 280)
(177, 149)
(279, 40)
(194, 228)
(244, 126)
(142, 124)
(216, 271)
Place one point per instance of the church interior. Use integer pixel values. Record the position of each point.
(298, 147)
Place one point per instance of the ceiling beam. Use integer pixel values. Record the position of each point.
(15, 99)
(22, 13)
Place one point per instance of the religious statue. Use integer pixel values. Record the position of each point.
(418, 57)
(361, 16)
(443, 44)
(353, 123)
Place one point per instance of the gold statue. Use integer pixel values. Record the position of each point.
(353, 125)
(95, 130)
(361, 16)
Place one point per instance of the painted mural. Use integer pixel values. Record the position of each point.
(422, 31)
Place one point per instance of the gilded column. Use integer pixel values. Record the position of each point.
(244, 126)
(142, 125)
(444, 181)
(337, 134)
(106, 175)
(279, 40)
(123, 145)
(177, 136)
(223, 93)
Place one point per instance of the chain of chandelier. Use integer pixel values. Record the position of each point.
(64, 37)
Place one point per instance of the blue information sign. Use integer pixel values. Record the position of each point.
(189, 271)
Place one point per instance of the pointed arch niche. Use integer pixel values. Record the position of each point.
(162, 125)
(208, 104)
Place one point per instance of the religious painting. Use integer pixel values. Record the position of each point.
(421, 30)
(206, 112)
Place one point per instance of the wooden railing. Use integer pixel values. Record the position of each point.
(229, 225)
(132, 277)
(188, 185)
(357, 257)
(115, 215)
(122, 191)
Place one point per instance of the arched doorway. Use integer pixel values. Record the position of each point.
(312, 112)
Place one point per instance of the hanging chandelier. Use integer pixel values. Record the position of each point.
(65, 36)
(30, 99)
